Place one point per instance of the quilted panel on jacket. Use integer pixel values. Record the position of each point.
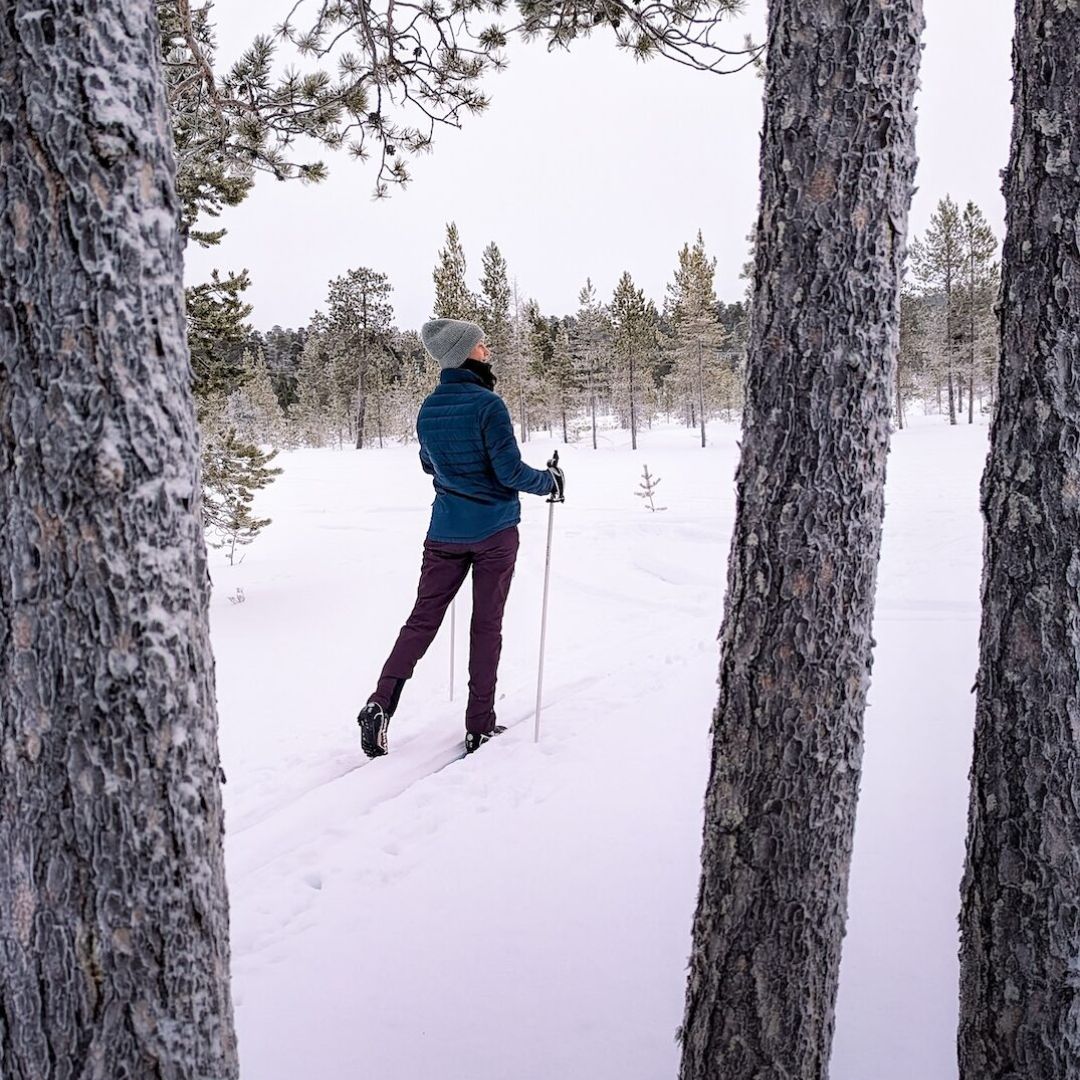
(467, 444)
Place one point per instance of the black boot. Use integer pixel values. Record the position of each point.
(373, 723)
(473, 742)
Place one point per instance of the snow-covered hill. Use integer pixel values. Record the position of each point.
(525, 914)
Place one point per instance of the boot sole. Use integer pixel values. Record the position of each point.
(484, 739)
(373, 736)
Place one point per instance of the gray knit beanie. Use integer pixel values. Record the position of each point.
(450, 340)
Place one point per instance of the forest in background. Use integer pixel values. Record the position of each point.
(353, 377)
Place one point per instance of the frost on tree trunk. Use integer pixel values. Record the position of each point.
(113, 911)
(837, 161)
(1020, 917)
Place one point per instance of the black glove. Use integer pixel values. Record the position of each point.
(559, 493)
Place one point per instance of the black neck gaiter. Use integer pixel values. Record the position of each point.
(486, 375)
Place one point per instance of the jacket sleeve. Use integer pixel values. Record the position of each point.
(505, 457)
(425, 462)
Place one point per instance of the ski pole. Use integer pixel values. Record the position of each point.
(552, 500)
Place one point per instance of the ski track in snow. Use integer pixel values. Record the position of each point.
(291, 839)
(524, 914)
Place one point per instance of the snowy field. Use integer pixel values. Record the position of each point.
(525, 914)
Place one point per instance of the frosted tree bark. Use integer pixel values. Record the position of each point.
(113, 911)
(1020, 917)
(837, 161)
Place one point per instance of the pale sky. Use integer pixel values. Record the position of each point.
(588, 163)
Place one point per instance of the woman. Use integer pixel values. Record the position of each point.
(467, 445)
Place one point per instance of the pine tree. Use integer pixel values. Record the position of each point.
(322, 412)
(735, 319)
(1019, 992)
(235, 470)
(590, 341)
(113, 902)
(253, 409)
(283, 349)
(698, 335)
(385, 375)
(562, 377)
(519, 335)
(453, 299)
(211, 174)
(648, 486)
(358, 324)
(497, 316)
(796, 640)
(218, 332)
(980, 292)
(255, 116)
(494, 303)
(540, 391)
(911, 358)
(417, 372)
(633, 320)
(938, 262)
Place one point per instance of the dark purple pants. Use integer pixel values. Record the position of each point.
(442, 573)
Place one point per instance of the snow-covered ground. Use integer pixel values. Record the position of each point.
(525, 914)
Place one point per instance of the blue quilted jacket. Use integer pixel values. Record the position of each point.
(467, 444)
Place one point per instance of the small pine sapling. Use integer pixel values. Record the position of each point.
(649, 484)
(233, 472)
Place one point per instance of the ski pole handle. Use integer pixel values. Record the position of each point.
(558, 491)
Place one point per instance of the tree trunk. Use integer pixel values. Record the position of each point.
(113, 909)
(1020, 917)
(361, 395)
(971, 335)
(633, 413)
(837, 162)
(949, 344)
(701, 393)
(361, 404)
(592, 401)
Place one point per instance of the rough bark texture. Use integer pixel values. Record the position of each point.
(113, 912)
(837, 162)
(1020, 918)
